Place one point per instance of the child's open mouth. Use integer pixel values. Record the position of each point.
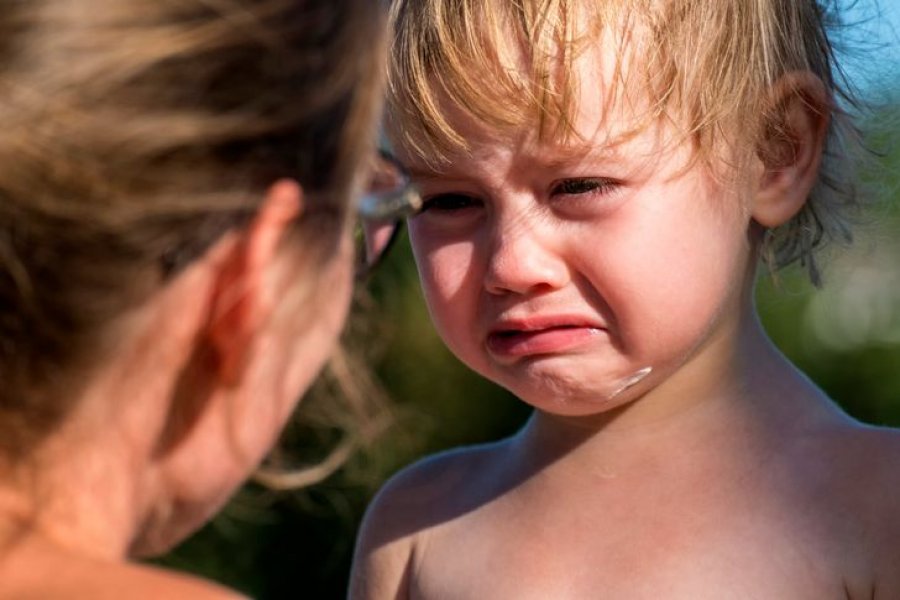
(548, 340)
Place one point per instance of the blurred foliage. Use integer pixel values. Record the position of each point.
(846, 337)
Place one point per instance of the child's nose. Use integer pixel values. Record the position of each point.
(520, 261)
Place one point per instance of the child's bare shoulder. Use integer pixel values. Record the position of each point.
(864, 462)
(874, 465)
(857, 462)
(440, 484)
(866, 458)
(421, 496)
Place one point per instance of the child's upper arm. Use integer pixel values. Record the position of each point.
(404, 516)
(383, 554)
(395, 525)
(870, 478)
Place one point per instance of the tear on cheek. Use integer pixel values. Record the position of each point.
(630, 381)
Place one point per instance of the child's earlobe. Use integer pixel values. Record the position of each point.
(790, 147)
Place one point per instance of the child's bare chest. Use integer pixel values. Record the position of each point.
(673, 548)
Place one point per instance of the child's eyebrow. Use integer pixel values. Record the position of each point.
(425, 174)
(557, 157)
(566, 156)
(420, 172)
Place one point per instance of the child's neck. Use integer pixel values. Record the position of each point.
(734, 394)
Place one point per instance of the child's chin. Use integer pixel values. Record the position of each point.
(568, 394)
(578, 406)
(577, 403)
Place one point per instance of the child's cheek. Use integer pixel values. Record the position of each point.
(450, 283)
(668, 269)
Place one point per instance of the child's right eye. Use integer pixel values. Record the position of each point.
(449, 203)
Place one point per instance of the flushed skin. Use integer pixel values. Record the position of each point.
(673, 452)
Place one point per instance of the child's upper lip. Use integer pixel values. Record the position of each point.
(540, 322)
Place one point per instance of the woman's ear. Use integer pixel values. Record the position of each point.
(232, 295)
(791, 147)
(241, 301)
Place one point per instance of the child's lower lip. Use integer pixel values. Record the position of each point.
(540, 341)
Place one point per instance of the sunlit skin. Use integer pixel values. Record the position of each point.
(562, 278)
(674, 452)
(582, 274)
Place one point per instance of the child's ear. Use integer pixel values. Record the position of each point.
(791, 147)
(241, 299)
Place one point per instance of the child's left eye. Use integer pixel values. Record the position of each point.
(592, 185)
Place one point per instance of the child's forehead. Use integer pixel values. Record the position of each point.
(603, 122)
(571, 93)
(704, 68)
(625, 154)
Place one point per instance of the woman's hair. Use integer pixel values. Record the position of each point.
(133, 134)
(708, 66)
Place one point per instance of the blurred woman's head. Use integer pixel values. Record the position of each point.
(140, 138)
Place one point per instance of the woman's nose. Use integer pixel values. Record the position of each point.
(522, 259)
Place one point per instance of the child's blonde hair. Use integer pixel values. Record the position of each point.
(706, 64)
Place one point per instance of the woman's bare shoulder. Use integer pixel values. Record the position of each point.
(75, 578)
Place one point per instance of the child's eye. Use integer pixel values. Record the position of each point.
(575, 187)
(449, 203)
(586, 197)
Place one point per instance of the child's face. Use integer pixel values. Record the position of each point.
(579, 279)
